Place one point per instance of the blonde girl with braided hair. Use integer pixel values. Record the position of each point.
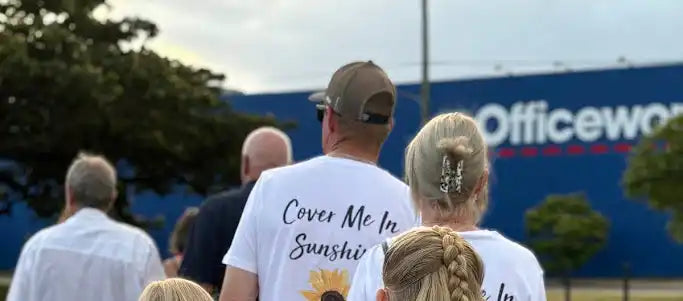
(174, 289)
(431, 264)
(447, 170)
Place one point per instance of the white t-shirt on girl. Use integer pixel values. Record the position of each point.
(511, 272)
(305, 227)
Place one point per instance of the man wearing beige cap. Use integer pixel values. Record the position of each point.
(305, 226)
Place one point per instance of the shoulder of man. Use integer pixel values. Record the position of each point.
(139, 235)
(303, 166)
(219, 199)
(216, 206)
(391, 179)
(396, 181)
(35, 240)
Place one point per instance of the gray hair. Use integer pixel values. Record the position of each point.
(91, 181)
(448, 140)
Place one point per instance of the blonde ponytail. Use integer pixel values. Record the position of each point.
(446, 164)
(432, 264)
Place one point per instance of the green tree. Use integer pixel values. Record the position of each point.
(655, 173)
(565, 232)
(68, 83)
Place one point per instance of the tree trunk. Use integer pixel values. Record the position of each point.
(566, 280)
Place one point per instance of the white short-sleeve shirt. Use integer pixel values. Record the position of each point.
(305, 226)
(511, 272)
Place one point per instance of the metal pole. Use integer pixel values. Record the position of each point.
(627, 277)
(424, 105)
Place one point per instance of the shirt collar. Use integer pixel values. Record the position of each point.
(88, 213)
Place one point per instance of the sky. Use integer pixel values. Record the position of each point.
(293, 45)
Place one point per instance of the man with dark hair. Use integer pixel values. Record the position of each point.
(88, 256)
(305, 226)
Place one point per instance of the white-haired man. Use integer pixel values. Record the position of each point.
(305, 226)
(215, 226)
(88, 256)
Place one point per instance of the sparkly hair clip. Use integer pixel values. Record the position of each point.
(451, 180)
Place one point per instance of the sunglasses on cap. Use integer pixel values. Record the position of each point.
(320, 111)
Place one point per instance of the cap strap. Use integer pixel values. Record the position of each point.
(374, 118)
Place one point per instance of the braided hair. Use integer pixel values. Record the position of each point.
(432, 264)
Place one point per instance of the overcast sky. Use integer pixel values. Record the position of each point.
(285, 45)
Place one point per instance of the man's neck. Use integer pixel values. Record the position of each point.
(70, 211)
(353, 153)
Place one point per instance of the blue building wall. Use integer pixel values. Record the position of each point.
(521, 178)
(523, 174)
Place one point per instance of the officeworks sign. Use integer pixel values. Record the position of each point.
(532, 122)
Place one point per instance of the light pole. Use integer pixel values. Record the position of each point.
(424, 104)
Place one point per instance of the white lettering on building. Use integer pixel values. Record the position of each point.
(531, 122)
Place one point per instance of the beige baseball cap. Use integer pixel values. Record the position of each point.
(351, 87)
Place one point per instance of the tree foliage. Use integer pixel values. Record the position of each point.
(565, 232)
(68, 83)
(655, 172)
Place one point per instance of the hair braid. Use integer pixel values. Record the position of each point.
(454, 250)
(432, 263)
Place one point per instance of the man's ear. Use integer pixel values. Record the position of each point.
(382, 295)
(69, 205)
(69, 197)
(114, 195)
(331, 118)
(245, 165)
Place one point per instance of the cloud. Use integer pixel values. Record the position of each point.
(274, 45)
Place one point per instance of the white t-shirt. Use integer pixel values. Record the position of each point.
(511, 272)
(305, 226)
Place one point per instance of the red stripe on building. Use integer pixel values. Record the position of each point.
(552, 150)
(529, 151)
(622, 148)
(506, 152)
(599, 148)
(575, 149)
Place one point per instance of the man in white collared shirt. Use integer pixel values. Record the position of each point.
(89, 256)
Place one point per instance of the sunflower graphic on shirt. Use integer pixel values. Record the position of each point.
(327, 285)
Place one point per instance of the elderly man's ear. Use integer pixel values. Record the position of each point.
(245, 168)
(113, 199)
